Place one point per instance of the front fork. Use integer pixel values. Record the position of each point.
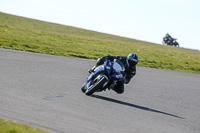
(99, 77)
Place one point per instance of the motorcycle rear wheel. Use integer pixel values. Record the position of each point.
(96, 86)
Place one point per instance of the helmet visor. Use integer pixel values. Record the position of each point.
(132, 62)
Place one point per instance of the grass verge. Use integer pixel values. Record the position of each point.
(37, 36)
(14, 127)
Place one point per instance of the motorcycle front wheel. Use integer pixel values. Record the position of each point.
(96, 86)
(177, 45)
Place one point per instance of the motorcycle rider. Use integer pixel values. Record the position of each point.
(169, 38)
(129, 62)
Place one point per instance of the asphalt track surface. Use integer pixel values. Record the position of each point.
(44, 91)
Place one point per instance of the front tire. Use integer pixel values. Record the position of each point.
(83, 88)
(177, 44)
(98, 85)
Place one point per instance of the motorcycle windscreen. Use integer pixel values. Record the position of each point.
(118, 66)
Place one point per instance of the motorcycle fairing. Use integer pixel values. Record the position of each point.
(107, 66)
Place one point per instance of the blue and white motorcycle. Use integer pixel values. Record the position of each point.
(103, 77)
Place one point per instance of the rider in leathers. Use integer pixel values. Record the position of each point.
(129, 62)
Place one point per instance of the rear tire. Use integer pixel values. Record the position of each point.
(98, 85)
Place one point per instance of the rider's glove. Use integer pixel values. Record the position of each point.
(119, 76)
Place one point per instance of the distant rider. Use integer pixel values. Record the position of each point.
(169, 39)
(129, 62)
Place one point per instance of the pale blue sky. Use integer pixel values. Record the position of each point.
(147, 20)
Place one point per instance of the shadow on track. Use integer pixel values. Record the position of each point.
(133, 105)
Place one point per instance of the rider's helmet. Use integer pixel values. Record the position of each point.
(132, 59)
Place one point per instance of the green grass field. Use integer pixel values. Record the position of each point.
(14, 127)
(37, 36)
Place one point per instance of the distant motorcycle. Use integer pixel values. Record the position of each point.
(103, 77)
(170, 41)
